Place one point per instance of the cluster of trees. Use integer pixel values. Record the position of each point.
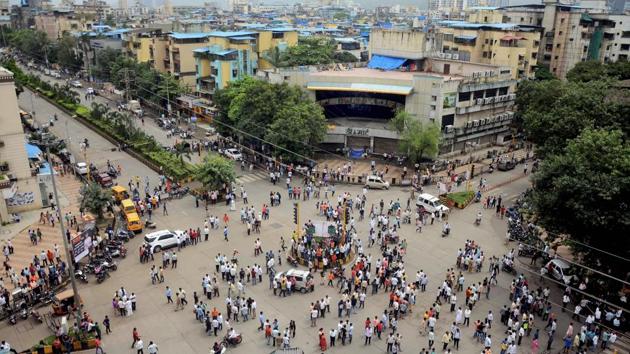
(309, 51)
(139, 79)
(418, 140)
(580, 129)
(278, 113)
(38, 46)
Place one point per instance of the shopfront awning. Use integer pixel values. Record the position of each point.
(33, 151)
(466, 37)
(359, 87)
(385, 63)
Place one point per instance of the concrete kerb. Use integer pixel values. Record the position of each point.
(105, 135)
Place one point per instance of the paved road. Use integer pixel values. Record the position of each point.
(178, 332)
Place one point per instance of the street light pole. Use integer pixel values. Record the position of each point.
(69, 258)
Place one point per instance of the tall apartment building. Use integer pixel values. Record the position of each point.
(232, 55)
(188, 55)
(490, 43)
(572, 34)
(19, 187)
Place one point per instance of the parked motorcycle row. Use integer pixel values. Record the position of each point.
(101, 264)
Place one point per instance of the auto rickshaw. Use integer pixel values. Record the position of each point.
(63, 303)
(119, 193)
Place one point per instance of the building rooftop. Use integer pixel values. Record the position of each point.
(471, 25)
(215, 51)
(227, 34)
(197, 35)
(381, 74)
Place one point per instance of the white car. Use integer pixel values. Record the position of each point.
(559, 270)
(233, 154)
(81, 168)
(90, 90)
(161, 240)
(76, 83)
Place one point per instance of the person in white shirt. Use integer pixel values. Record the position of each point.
(140, 346)
(152, 348)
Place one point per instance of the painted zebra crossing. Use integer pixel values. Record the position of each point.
(251, 177)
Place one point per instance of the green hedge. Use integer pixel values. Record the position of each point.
(143, 144)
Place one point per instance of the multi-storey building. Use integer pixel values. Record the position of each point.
(494, 43)
(230, 56)
(56, 23)
(19, 186)
(572, 34)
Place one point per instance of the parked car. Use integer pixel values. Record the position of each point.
(81, 168)
(76, 83)
(559, 270)
(104, 180)
(506, 165)
(160, 240)
(233, 154)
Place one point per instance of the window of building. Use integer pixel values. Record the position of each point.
(556, 57)
(560, 33)
(433, 98)
(534, 55)
(570, 39)
(484, 54)
(234, 72)
(503, 91)
(558, 45)
(536, 43)
(464, 96)
(625, 47)
(625, 34)
(448, 120)
(485, 19)
(277, 35)
(522, 19)
(561, 20)
(554, 70)
(446, 48)
(433, 107)
(491, 92)
(486, 41)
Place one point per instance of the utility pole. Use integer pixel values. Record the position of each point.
(69, 255)
(126, 85)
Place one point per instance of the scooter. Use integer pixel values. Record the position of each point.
(81, 276)
(478, 221)
(150, 224)
(446, 232)
(227, 341)
(101, 274)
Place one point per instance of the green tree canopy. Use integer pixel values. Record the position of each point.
(309, 51)
(555, 112)
(94, 199)
(583, 190)
(594, 70)
(421, 140)
(281, 113)
(215, 171)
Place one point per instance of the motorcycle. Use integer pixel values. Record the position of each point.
(446, 232)
(123, 235)
(37, 316)
(101, 274)
(508, 269)
(12, 319)
(150, 224)
(81, 276)
(232, 341)
(292, 261)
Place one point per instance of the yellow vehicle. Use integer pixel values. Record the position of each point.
(120, 193)
(134, 223)
(127, 206)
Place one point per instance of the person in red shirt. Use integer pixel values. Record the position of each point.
(136, 336)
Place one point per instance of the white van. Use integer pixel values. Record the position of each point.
(430, 203)
(376, 182)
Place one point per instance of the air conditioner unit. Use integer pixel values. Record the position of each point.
(449, 129)
(480, 101)
(455, 56)
(475, 123)
(448, 55)
(512, 96)
(482, 121)
(441, 55)
(468, 124)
